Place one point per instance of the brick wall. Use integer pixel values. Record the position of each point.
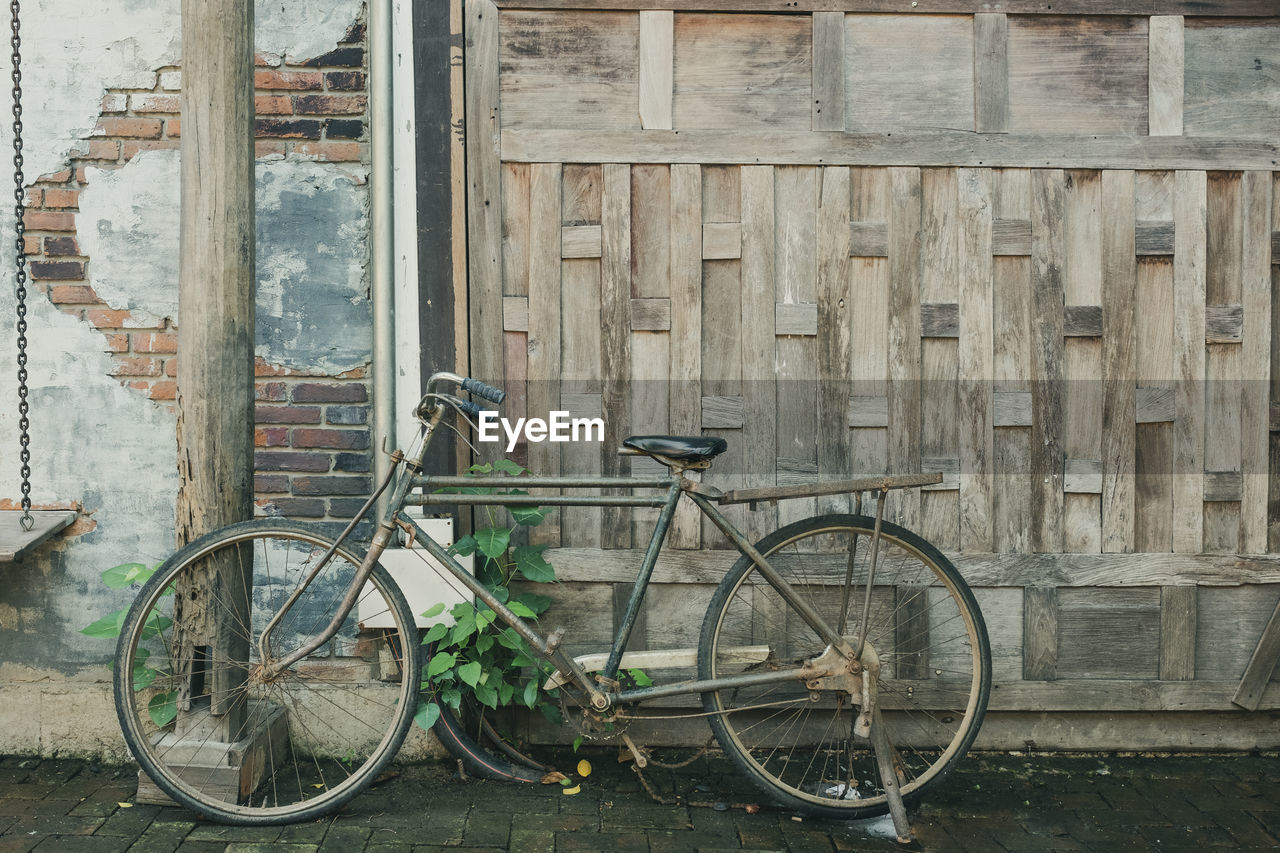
(312, 436)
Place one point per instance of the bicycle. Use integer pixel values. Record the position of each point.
(843, 664)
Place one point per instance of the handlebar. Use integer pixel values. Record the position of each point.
(487, 392)
(473, 386)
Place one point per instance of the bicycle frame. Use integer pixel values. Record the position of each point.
(404, 482)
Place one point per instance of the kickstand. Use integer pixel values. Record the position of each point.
(889, 778)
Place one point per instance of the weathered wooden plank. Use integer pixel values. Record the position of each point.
(758, 366)
(924, 148)
(621, 597)
(908, 71)
(991, 72)
(686, 401)
(651, 315)
(1165, 76)
(1206, 8)
(869, 285)
(580, 241)
(1273, 492)
(1177, 633)
(515, 229)
(569, 69)
(1082, 321)
(911, 632)
(947, 466)
(796, 318)
(1077, 75)
(868, 411)
(484, 179)
(796, 366)
(722, 412)
(828, 71)
(1154, 238)
(1119, 361)
(1082, 476)
(1261, 665)
(1153, 487)
(834, 342)
(615, 350)
(582, 183)
(1040, 633)
(869, 239)
(1255, 279)
(515, 313)
(1047, 449)
(544, 366)
(721, 240)
(1224, 324)
(657, 58)
(977, 368)
(1155, 396)
(1108, 633)
(905, 274)
(1011, 237)
(940, 320)
(1223, 486)
(979, 570)
(1189, 355)
(1223, 95)
(754, 75)
(1011, 409)
(1153, 405)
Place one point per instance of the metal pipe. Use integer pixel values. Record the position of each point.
(796, 674)
(450, 499)
(420, 482)
(382, 242)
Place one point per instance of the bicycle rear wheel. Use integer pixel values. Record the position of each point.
(293, 746)
(924, 626)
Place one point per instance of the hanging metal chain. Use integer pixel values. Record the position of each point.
(19, 208)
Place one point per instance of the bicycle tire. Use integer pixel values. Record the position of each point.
(342, 716)
(798, 744)
(477, 759)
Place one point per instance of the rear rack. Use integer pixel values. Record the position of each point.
(835, 487)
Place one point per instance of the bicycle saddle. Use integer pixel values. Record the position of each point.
(692, 448)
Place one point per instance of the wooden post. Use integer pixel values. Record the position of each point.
(216, 335)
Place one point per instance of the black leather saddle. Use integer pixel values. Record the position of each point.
(683, 448)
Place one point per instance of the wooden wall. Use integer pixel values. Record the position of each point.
(1034, 252)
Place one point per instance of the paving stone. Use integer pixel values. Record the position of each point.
(229, 834)
(532, 840)
(82, 844)
(591, 842)
(345, 838)
(130, 822)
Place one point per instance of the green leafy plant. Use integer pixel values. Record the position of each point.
(477, 654)
(162, 707)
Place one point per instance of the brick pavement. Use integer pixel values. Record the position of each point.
(993, 803)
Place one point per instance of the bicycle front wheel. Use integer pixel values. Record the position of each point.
(230, 739)
(924, 627)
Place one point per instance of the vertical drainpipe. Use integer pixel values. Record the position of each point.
(382, 248)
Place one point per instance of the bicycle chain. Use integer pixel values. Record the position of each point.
(19, 210)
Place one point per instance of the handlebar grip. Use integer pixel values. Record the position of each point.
(487, 392)
(470, 409)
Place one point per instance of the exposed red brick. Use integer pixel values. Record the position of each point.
(330, 105)
(130, 149)
(173, 127)
(335, 152)
(34, 197)
(268, 483)
(72, 294)
(58, 271)
(49, 220)
(270, 391)
(139, 128)
(114, 103)
(101, 149)
(354, 33)
(350, 57)
(295, 507)
(269, 147)
(171, 367)
(108, 318)
(155, 103)
(117, 342)
(331, 485)
(287, 80)
(155, 342)
(271, 437)
(277, 460)
(340, 439)
(287, 414)
(54, 246)
(288, 128)
(59, 177)
(350, 81)
(30, 244)
(164, 390)
(61, 198)
(266, 60)
(343, 128)
(137, 366)
(330, 392)
(272, 105)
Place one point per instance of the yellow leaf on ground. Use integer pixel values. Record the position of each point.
(569, 792)
(584, 768)
(125, 805)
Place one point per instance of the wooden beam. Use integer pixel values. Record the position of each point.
(215, 332)
(1249, 692)
(1190, 206)
(828, 71)
(991, 72)
(1165, 75)
(657, 46)
(1177, 633)
(1039, 633)
(924, 148)
(1201, 8)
